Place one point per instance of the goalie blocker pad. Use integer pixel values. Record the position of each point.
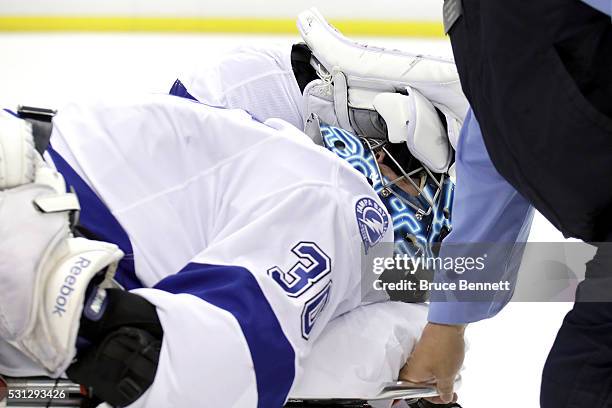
(371, 70)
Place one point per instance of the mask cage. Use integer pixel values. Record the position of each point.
(420, 219)
(407, 171)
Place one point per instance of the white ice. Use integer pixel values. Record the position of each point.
(506, 353)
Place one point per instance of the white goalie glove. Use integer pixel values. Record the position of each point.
(361, 84)
(44, 270)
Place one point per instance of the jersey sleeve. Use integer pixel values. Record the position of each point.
(258, 80)
(240, 319)
(478, 223)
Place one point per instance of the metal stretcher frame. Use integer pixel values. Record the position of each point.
(46, 392)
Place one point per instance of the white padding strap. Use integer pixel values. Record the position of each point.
(57, 203)
(413, 119)
(428, 142)
(395, 110)
(341, 100)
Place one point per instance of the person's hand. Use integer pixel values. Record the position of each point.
(437, 359)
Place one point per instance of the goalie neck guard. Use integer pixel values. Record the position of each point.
(421, 219)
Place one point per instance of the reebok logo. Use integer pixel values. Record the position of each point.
(66, 290)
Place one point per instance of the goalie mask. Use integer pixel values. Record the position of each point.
(418, 200)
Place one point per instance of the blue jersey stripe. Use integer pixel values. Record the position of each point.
(97, 219)
(12, 113)
(178, 89)
(235, 289)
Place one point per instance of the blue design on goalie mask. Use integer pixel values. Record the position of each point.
(419, 222)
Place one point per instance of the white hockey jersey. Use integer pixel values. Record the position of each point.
(245, 235)
(256, 79)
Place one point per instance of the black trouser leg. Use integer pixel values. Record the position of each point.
(578, 371)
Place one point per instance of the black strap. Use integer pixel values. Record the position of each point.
(422, 403)
(300, 62)
(40, 119)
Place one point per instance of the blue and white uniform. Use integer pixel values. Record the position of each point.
(244, 235)
(247, 237)
(256, 79)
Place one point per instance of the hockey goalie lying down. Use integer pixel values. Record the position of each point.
(238, 237)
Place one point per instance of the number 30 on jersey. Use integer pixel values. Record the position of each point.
(312, 266)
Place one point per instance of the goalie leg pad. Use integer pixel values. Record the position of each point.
(16, 151)
(353, 76)
(44, 270)
(436, 78)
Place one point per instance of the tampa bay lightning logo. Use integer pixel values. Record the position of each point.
(372, 220)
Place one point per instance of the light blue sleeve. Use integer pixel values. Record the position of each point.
(486, 209)
(605, 6)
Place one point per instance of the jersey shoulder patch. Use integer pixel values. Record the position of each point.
(372, 220)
